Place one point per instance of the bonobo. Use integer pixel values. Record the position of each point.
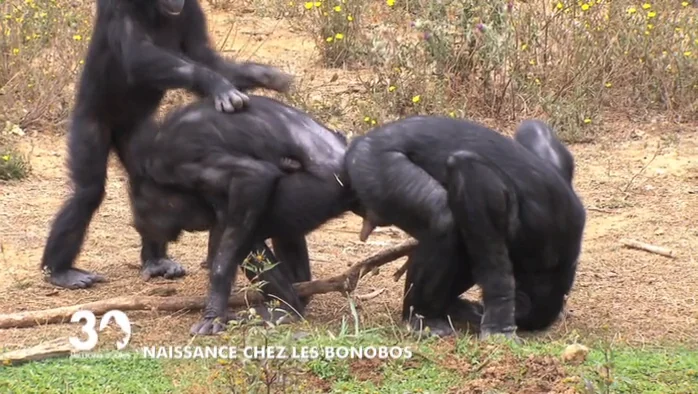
(139, 49)
(484, 208)
(270, 171)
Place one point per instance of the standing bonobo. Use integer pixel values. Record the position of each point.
(139, 49)
(485, 209)
(270, 171)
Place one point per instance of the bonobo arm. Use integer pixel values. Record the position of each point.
(147, 64)
(244, 76)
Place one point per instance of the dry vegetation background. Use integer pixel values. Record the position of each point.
(618, 79)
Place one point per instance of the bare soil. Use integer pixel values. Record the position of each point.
(631, 188)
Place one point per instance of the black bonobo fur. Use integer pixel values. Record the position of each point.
(486, 209)
(270, 171)
(139, 49)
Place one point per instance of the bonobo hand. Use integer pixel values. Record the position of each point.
(228, 98)
(268, 76)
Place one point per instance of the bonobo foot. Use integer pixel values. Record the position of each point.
(166, 268)
(210, 325)
(430, 327)
(508, 333)
(466, 311)
(74, 278)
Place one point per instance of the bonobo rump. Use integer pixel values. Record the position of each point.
(485, 209)
(270, 171)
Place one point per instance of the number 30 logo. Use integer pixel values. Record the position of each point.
(89, 328)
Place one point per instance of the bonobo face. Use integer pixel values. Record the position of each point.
(171, 7)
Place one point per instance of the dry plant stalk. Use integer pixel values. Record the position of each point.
(343, 283)
(633, 244)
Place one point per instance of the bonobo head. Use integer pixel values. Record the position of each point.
(540, 298)
(540, 139)
(170, 7)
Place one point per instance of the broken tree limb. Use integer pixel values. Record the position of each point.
(344, 283)
(633, 244)
(400, 271)
(55, 348)
(369, 296)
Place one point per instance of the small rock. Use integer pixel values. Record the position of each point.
(575, 353)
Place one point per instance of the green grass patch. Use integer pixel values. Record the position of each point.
(87, 375)
(433, 366)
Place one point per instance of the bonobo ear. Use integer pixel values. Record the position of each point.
(171, 7)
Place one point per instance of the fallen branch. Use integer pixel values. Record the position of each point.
(55, 348)
(400, 271)
(344, 283)
(633, 244)
(369, 296)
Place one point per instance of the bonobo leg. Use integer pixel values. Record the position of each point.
(88, 151)
(249, 191)
(155, 262)
(435, 278)
(214, 239)
(293, 253)
(278, 286)
(484, 210)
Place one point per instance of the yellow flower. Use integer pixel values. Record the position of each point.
(416, 99)
(632, 10)
(684, 3)
(15, 51)
(687, 53)
(524, 47)
(532, 62)
(646, 6)
(651, 14)
(350, 18)
(537, 81)
(329, 39)
(367, 119)
(608, 84)
(392, 88)
(560, 6)
(585, 7)
(373, 122)
(318, 4)
(337, 8)
(452, 114)
(339, 36)
(308, 5)
(6, 157)
(77, 37)
(650, 26)
(587, 120)
(390, 3)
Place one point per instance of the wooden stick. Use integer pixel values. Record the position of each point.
(633, 244)
(369, 296)
(344, 283)
(400, 271)
(55, 348)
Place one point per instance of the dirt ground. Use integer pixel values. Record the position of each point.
(631, 188)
